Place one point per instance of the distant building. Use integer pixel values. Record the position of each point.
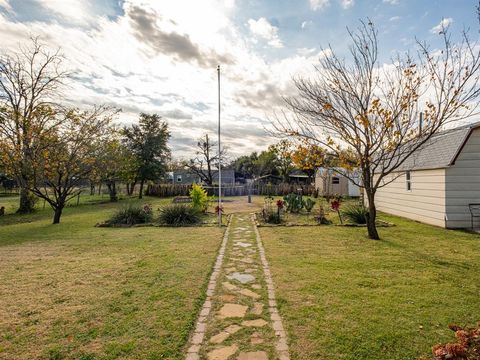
(186, 177)
(298, 177)
(331, 182)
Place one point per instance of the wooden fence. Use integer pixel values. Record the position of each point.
(169, 190)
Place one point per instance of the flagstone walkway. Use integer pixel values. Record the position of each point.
(239, 319)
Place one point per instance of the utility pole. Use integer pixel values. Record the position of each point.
(219, 157)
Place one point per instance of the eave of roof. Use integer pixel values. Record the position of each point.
(422, 160)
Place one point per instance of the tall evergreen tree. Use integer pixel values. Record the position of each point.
(148, 142)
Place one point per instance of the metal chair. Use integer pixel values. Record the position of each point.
(474, 212)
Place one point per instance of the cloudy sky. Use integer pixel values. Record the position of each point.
(161, 55)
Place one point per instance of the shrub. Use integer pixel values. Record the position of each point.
(269, 214)
(131, 215)
(199, 197)
(280, 205)
(321, 219)
(271, 217)
(179, 215)
(335, 205)
(357, 214)
(294, 202)
(309, 204)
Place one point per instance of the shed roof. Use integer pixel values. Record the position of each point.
(441, 150)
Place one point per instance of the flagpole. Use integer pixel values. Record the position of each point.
(219, 157)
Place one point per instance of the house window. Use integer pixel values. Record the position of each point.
(179, 178)
(408, 181)
(335, 180)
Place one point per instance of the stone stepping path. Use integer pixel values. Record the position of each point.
(239, 319)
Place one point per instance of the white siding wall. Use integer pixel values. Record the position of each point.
(425, 202)
(463, 184)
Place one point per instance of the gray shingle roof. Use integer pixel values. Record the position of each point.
(441, 150)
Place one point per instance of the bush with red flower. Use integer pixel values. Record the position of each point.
(335, 205)
(218, 210)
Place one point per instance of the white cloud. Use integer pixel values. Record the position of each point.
(77, 11)
(114, 63)
(394, 18)
(263, 29)
(392, 2)
(322, 4)
(347, 4)
(445, 23)
(306, 24)
(5, 5)
(306, 51)
(319, 4)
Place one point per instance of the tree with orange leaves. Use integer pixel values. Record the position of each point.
(373, 116)
(30, 83)
(65, 157)
(309, 157)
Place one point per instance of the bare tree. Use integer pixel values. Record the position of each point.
(68, 156)
(206, 160)
(30, 81)
(371, 111)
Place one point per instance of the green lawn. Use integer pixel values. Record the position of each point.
(74, 291)
(343, 296)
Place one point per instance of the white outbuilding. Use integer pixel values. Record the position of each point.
(439, 184)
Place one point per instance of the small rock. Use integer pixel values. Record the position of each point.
(250, 293)
(256, 339)
(247, 260)
(257, 308)
(253, 355)
(223, 335)
(229, 286)
(228, 298)
(243, 278)
(242, 244)
(232, 310)
(222, 353)
(230, 270)
(254, 323)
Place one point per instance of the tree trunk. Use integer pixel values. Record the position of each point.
(92, 189)
(58, 214)
(131, 188)
(372, 216)
(27, 202)
(140, 193)
(112, 190)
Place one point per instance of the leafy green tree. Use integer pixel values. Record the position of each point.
(266, 164)
(148, 142)
(113, 163)
(283, 154)
(246, 165)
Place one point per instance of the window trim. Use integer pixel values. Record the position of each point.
(408, 181)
